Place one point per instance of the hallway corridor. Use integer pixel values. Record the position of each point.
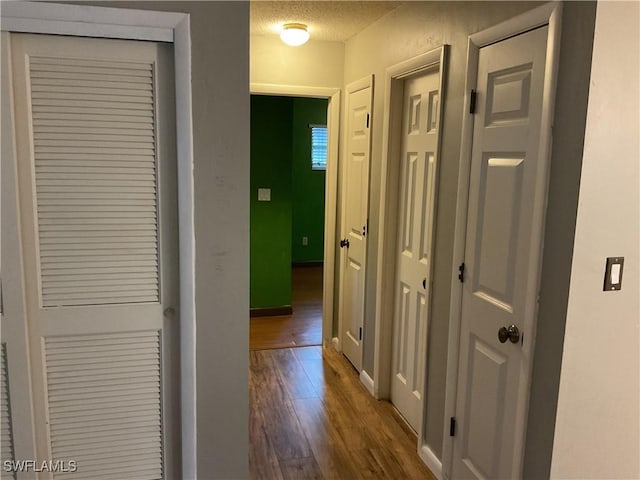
(310, 417)
(304, 326)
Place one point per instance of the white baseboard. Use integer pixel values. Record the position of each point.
(367, 381)
(336, 344)
(431, 461)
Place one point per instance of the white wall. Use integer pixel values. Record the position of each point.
(315, 64)
(597, 424)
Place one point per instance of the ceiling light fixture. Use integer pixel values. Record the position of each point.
(294, 34)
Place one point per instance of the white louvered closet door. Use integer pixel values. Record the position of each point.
(96, 165)
(6, 425)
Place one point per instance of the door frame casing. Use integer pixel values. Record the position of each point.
(388, 221)
(116, 23)
(14, 333)
(331, 188)
(548, 14)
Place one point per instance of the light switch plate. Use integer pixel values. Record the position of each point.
(613, 274)
(264, 194)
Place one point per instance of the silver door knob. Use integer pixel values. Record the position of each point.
(510, 333)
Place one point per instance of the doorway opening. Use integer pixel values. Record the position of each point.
(414, 100)
(288, 182)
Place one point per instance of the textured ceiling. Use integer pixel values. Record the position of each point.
(327, 20)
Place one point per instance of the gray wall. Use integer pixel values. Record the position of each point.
(418, 27)
(597, 428)
(566, 161)
(220, 55)
(220, 89)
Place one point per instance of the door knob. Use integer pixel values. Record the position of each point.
(424, 283)
(510, 333)
(344, 243)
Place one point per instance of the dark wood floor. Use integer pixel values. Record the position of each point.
(310, 415)
(304, 326)
(312, 418)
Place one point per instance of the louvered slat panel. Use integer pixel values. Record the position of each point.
(142, 192)
(147, 396)
(104, 396)
(95, 173)
(6, 430)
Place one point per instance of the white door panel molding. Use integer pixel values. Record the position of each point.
(355, 211)
(502, 191)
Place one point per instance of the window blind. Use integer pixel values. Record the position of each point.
(318, 147)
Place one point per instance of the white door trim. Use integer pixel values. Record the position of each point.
(276, 89)
(14, 333)
(387, 236)
(551, 14)
(330, 188)
(89, 21)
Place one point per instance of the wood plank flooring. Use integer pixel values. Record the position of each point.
(311, 418)
(304, 326)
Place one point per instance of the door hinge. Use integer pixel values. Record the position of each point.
(461, 274)
(452, 427)
(365, 228)
(367, 120)
(360, 334)
(472, 102)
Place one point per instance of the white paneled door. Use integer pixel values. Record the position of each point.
(95, 139)
(501, 261)
(413, 258)
(355, 207)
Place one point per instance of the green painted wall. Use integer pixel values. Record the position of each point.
(281, 161)
(307, 184)
(271, 143)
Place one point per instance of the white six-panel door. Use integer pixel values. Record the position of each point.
(501, 266)
(355, 207)
(413, 258)
(95, 143)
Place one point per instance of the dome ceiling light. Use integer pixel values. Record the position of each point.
(294, 34)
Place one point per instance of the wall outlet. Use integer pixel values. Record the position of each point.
(305, 241)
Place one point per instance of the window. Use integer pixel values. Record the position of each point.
(318, 147)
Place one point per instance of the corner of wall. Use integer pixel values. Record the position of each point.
(572, 95)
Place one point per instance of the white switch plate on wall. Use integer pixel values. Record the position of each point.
(264, 194)
(613, 273)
